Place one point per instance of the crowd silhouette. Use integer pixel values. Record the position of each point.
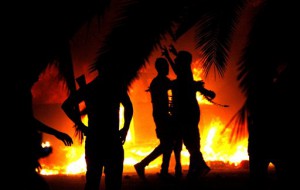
(176, 119)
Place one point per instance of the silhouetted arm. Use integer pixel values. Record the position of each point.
(69, 107)
(209, 94)
(165, 53)
(173, 50)
(65, 138)
(128, 113)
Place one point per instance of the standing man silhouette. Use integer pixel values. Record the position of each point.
(104, 141)
(158, 89)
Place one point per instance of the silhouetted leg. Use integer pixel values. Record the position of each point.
(167, 151)
(93, 174)
(177, 154)
(140, 167)
(152, 156)
(94, 165)
(197, 166)
(114, 170)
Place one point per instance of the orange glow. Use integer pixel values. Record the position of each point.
(214, 146)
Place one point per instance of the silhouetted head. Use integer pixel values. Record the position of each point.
(183, 63)
(183, 57)
(162, 66)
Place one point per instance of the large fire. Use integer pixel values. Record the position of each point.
(215, 146)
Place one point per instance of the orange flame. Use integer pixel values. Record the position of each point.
(214, 146)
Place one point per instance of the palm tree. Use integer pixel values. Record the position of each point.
(267, 78)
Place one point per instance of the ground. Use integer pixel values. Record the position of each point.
(233, 179)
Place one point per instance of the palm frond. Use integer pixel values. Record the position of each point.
(269, 43)
(189, 17)
(214, 32)
(238, 125)
(139, 29)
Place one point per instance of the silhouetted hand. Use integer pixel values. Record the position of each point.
(211, 94)
(80, 131)
(165, 51)
(83, 128)
(172, 49)
(123, 134)
(65, 138)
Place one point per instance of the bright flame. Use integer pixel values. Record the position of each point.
(46, 144)
(214, 146)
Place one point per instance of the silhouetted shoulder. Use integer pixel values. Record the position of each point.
(199, 83)
(199, 86)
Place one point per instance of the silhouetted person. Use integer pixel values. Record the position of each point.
(186, 110)
(36, 128)
(104, 141)
(158, 89)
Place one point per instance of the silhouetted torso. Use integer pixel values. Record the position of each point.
(104, 139)
(184, 99)
(159, 96)
(102, 105)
